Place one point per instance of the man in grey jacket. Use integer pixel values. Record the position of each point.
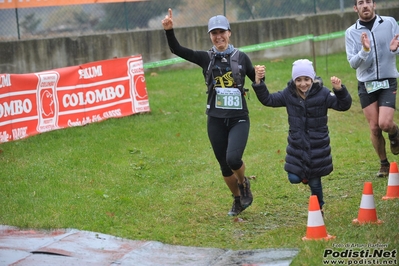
(371, 47)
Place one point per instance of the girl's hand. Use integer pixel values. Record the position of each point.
(336, 82)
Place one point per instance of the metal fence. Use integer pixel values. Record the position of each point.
(85, 19)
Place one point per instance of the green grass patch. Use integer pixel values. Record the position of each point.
(154, 176)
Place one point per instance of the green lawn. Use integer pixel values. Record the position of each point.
(154, 176)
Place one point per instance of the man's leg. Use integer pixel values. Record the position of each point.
(372, 114)
(387, 124)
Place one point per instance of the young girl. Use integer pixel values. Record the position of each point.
(307, 101)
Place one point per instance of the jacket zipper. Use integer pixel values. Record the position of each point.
(376, 57)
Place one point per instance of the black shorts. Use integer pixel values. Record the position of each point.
(385, 97)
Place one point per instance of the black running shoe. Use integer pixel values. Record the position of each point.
(394, 145)
(384, 170)
(236, 209)
(394, 142)
(246, 197)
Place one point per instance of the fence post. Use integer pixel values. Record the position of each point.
(224, 7)
(314, 53)
(16, 16)
(126, 19)
(314, 6)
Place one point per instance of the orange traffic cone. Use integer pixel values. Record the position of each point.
(316, 229)
(367, 211)
(393, 182)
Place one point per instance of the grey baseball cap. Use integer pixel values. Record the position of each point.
(218, 22)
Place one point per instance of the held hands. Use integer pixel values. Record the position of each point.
(336, 82)
(167, 22)
(394, 45)
(259, 73)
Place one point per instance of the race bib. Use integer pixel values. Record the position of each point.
(228, 98)
(372, 86)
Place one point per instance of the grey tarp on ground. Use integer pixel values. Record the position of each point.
(74, 247)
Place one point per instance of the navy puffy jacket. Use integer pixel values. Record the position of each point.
(308, 149)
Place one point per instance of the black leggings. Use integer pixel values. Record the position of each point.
(228, 138)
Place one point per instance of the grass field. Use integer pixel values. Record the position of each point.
(154, 176)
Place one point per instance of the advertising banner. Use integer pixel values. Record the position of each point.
(5, 4)
(72, 96)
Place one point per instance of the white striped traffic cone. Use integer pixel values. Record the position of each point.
(367, 211)
(316, 229)
(393, 182)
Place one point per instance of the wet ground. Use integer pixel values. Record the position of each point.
(74, 247)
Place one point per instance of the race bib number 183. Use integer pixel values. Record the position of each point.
(228, 98)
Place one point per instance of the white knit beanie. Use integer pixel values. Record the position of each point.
(303, 67)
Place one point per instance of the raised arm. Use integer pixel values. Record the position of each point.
(167, 22)
(342, 100)
(336, 83)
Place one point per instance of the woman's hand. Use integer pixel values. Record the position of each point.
(259, 73)
(167, 22)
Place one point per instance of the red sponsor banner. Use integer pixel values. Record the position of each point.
(5, 4)
(72, 96)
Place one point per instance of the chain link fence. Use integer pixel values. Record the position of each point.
(86, 19)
